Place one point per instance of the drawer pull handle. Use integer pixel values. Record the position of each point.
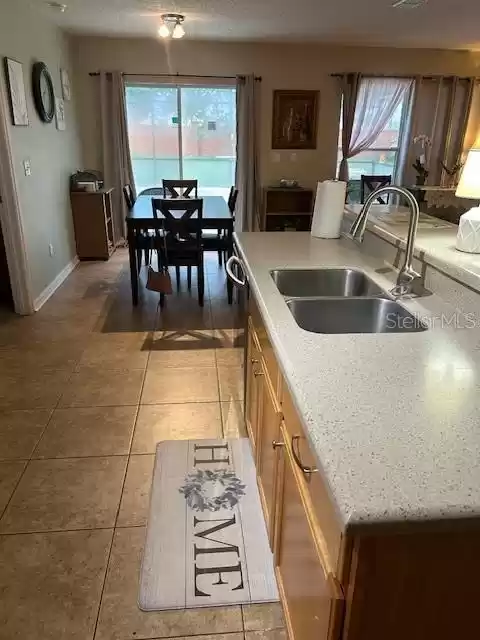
(277, 445)
(258, 373)
(253, 361)
(296, 456)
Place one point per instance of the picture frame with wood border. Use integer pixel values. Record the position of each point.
(295, 116)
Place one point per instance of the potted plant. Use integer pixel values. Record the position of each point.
(421, 161)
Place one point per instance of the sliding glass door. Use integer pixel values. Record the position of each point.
(183, 132)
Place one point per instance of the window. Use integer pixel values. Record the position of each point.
(182, 132)
(381, 158)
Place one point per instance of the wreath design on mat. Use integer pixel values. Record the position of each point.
(212, 489)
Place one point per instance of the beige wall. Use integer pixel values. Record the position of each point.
(54, 155)
(281, 67)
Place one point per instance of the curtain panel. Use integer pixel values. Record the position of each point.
(247, 178)
(349, 85)
(447, 111)
(116, 159)
(376, 102)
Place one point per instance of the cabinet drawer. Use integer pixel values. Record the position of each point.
(264, 344)
(312, 484)
(312, 598)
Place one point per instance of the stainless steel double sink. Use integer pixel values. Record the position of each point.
(342, 300)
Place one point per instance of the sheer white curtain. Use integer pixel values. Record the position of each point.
(376, 103)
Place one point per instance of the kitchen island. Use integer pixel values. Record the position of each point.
(367, 450)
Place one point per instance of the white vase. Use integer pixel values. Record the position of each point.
(468, 235)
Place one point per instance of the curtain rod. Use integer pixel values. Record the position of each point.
(177, 75)
(407, 77)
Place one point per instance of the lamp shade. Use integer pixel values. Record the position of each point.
(469, 185)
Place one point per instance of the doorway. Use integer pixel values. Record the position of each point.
(183, 132)
(6, 297)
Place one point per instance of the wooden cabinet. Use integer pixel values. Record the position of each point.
(268, 444)
(93, 224)
(254, 367)
(286, 209)
(312, 599)
(311, 596)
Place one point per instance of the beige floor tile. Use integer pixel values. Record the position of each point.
(51, 584)
(117, 350)
(175, 422)
(185, 339)
(233, 338)
(20, 431)
(215, 636)
(232, 419)
(94, 387)
(271, 634)
(33, 390)
(136, 492)
(263, 617)
(63, 354)
(182, 358)
(90, 431)
(120, 616)
(231, 383)
(170, 386)
(230, 357)
(10, 473)
(78, 493)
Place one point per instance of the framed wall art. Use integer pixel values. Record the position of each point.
(16, 92)
(60, 114)
(66, 87)
(294, 119)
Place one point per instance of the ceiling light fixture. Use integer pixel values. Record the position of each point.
(171, 26)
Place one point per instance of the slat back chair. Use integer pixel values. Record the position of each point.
(372, 183)
(180, 188)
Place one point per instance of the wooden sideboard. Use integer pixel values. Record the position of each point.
(93, 224)
(286, 209)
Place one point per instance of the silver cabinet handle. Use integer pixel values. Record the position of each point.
(296, 456)
(277, 445)
(228, 268)
(258, 373)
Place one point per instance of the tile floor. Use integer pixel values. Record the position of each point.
(87, 387)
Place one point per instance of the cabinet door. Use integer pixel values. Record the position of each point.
(312, 598)
(268, 444)
(252, 386)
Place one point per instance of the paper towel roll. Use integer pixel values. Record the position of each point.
(328, 209)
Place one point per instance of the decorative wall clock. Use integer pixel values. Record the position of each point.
(43, 93)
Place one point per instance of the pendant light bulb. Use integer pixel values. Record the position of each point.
(178, 31)
(164, 31)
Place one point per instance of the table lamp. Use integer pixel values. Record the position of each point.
(468, 236)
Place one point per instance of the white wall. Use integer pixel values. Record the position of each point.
(282, 66)
(54, 155)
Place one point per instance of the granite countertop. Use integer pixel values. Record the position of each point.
(394, 419)
(434, 244)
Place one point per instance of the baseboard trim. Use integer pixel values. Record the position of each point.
(53, 286)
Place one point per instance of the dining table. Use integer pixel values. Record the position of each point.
(141, 218)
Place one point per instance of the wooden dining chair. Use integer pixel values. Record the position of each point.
(180, 242)
(152, 191)
(232, 200)
(369, 184)
(128, 195)
(144, 238)
(180, 188)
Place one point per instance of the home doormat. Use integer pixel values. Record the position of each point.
(206, 541)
